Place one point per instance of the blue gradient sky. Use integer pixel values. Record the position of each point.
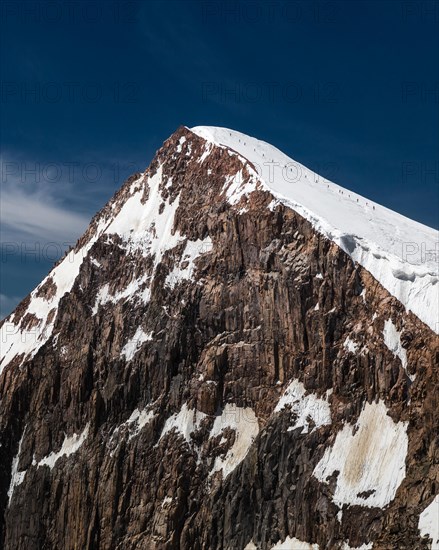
(90, 90)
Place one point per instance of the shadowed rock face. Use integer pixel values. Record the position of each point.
(146, 419)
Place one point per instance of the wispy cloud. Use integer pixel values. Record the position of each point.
(38, 217)
(36, 211)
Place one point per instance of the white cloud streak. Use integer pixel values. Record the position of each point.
(38, 217)
(37, 211)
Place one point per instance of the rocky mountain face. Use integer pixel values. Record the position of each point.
(205, 370)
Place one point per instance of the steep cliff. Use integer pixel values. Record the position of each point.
(216, 365)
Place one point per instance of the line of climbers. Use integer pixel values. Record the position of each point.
(315, 181)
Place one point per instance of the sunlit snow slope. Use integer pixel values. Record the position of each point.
(400, 253)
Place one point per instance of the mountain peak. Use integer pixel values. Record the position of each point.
(151, 213)
(209, 354)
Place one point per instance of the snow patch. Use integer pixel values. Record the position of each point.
(242, 421)
(245, 425)
(135, 343)
(185, 267)
(370, 459)
(294, 544)
(140, 227)
(206, 153)
(143, 418)
(133, 426)
(304, 407)
(70, 446)
(140, 419)
(350, 345)
(133, 289)
(392, 339)
(143, 229)
(429, 522)
(367, 546)
(235, 189)
(185, 422)
(17, 477)
(166, 501)
(180, 143)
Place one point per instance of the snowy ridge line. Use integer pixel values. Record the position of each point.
(402, 254)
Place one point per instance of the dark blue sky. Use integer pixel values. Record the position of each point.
(91, 89)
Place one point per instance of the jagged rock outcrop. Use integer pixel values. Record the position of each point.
(206, 370)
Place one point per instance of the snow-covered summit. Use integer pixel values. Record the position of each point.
(402, 254)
